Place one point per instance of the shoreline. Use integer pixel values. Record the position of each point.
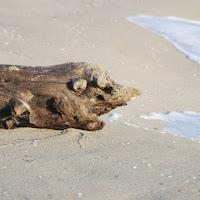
(118, 162)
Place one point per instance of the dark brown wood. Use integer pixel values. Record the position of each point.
(58, 97)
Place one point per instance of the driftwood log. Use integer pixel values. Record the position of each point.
(58, 97)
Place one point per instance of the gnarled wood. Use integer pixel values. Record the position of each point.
(58, 97)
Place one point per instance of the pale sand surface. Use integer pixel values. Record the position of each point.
(119, 162)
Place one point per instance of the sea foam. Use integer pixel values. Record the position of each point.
(114, 117)
(183, 34)
(186, 124)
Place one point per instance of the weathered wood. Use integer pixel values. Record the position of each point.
(58, 97)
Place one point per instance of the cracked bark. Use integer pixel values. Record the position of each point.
(70, 95)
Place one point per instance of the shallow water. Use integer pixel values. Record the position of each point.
(186, 124)
(183, 34)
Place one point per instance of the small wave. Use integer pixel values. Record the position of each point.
(186, 124)
(182, 33)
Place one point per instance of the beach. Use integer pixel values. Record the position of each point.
(131, 158)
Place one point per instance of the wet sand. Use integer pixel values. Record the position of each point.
(120, 161)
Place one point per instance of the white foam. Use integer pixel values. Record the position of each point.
(114, 116)
(131, 124)
(182, 33)
(186, 124)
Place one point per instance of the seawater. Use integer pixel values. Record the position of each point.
(186, 124)
(182, 33)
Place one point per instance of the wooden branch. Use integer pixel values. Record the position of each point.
(58, 97)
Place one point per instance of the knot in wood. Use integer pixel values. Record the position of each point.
(79, 85)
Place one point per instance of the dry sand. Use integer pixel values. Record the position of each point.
(119, 162)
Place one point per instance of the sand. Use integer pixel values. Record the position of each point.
(119, 162)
